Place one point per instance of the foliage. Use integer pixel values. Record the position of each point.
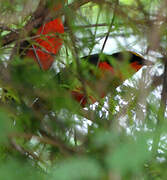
(45, 133)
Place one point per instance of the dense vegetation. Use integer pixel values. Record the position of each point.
(44, 132)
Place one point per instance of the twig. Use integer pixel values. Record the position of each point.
(161, 112)
(88, 26)
(23, 151)
(37, 57)
(109, 29)
(45, 139)
(3, 27)
(75, 54)
(40, 16)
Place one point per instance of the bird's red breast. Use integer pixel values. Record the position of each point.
(104, 66)
(107, 72)
(80, 97)
(48, 44)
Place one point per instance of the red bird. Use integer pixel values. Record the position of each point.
(48, 44)
(110, 76)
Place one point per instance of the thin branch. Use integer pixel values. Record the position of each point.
(23, 151)
(109, 30)
(3, 27)
(45, 139)
(36, 20)
(75, 55)
(161, 113)
(88, 26)
(110, 27)
(40, 16)
(37, 57)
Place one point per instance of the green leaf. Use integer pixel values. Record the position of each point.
(129, 156)
(5, 125)
(14, 169)
(75, 169)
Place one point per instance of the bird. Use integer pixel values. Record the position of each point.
(103, 73)
(47, 45)
(106, 72)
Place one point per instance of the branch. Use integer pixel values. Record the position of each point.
(109, 30)
(3, 27)
(40, 16)
(23, 151)
(161, 113)
(45, 139)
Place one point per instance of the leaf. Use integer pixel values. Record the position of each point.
(75, 169)
(5, 125)
(129, 156)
